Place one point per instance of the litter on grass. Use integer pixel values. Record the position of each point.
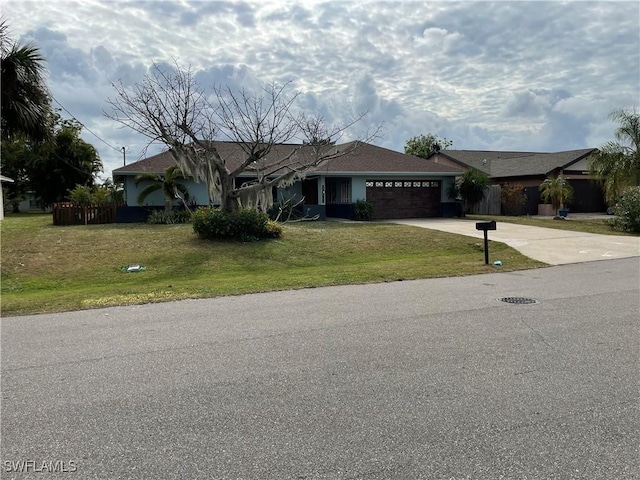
(498, 263)
(133, 268)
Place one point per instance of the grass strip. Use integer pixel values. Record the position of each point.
(600, 226)
(47, 268)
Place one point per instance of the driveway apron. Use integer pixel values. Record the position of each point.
(548, 245)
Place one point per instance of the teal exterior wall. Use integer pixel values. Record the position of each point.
(447, 183)
(358, 189)
(358, 192)
(293, 191)
(197, 192)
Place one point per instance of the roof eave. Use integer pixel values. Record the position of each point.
(576, 160)
(461, 163)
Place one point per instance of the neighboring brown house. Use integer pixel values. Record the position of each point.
(530, 169)
(398, 185)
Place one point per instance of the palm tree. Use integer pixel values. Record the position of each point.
(556, 191)
(617, 163)
(470, 188)
(168, 183)
(25, 98)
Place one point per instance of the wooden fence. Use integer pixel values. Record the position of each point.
(490, 204)
(65, 213)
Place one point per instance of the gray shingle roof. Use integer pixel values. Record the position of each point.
(371, 158)
(366, 158)
(514, 164)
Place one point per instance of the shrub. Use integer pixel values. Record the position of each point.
(101, 196)
(251, 224)
(627, 211)
(513, 199)
(211, 224)
(273, 229)
(470, 188)
(363, 210)
(84, 196)
(81, 195)
(169, 218)
(245, 225)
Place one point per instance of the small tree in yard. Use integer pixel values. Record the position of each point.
(556, 191)
(171, 107)
(512, 199)
(84, 196)
(470, 188)
(81, 195)
(168, 183)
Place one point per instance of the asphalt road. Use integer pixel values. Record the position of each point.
(432, 379)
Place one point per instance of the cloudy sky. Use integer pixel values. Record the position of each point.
(536, 76)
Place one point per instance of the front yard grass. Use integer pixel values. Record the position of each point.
(47, 268)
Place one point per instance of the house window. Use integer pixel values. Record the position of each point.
(402, 184)
(345, 192)
(340, 191)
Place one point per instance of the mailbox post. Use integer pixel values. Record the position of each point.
(485, 227)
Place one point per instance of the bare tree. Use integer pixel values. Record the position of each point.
(169, 106)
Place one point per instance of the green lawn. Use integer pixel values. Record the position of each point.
(576, 224)
(46, 268)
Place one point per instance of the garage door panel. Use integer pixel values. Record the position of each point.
(404, 199)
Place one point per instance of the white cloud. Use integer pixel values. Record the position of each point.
(511, 75)
(440, 40)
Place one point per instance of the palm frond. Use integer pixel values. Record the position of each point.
(148, 177)
(617, 163)
(173, 173)
(25, 98)
(146, 191)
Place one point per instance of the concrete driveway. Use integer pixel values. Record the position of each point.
(552, 246)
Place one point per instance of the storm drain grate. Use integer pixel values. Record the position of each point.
(519, 300)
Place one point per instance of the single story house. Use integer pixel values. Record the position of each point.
(530, 169)
(7, 180)
(398, 185)
(29, 203)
